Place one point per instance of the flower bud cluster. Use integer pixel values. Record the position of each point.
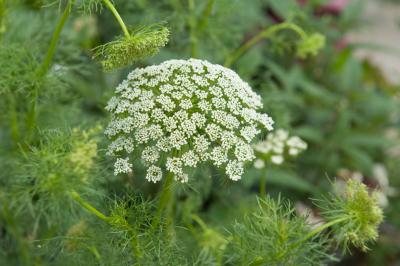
(143, 42)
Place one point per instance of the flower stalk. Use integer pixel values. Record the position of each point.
(165, 203)
(54, 40)
(321, 228)
(89, 207)
(196, 27)
(265, 34)
(113, 10)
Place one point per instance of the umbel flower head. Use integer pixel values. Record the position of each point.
(182, 113)
(355, 213)
(278, 146)
(125, 50)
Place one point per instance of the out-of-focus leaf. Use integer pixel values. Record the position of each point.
(365, 140)
(359, 159)
(288, 179)
(309, 134)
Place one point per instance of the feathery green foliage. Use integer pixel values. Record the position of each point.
(269, 237)
(44, 174)
(19, 77)
(131, 232)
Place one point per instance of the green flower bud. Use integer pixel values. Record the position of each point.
(359, 215)
(143, 42)
(310, 45)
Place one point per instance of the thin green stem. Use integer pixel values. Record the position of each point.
(205, 15)
(89, 207)
(265, 34)
(113, 10)
(54, 39)
(31, 116)
(15, 133)
(321, 228)
(95, 252)
(192, 26)
(196, 27)
(199, 221)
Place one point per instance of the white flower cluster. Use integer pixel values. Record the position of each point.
(276, 147)
(182, 113)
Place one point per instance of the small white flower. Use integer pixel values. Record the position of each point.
(120, 144)
(150, 155)
(277, 159)
(234, 170)
(259, 164)
(122, 166)
(154, 174)
(174, 165)
(219, 156)
(186, 104)
(190, 159)
(294, 151)
(244, 152)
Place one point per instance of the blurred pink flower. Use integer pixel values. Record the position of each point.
(334, 7)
